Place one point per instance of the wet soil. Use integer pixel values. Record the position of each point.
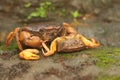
(79, 65)
(56, 67)
(62, 66)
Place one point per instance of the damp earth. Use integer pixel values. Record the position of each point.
(102, 63)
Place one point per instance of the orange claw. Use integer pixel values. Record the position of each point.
(29, 54)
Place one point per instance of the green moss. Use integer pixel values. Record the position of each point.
(12, 46)
(42, 10)
(108, 77)
(75, 14)
(105, 57)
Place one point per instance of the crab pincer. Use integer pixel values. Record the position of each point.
(29, 54)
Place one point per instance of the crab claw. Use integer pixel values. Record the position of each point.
(29, 54)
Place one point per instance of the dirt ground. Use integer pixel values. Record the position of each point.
(80, 65)
(54, 67)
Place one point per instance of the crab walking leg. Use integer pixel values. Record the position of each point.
(89, 43)
(9, 38)
(53, 47)
(45, 47)
(18, 42)
(11, 35)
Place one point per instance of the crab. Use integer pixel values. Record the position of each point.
(61, 38)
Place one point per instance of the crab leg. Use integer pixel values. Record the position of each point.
(10, 36)
(53, 48)
(89, 43)
(45, 47)
(18, 42)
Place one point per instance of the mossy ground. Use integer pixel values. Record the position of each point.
(11, 47)
(105, 58)
(107, 77)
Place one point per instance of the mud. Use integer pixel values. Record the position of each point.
(55, 67)
(16, 70)
(104, 27)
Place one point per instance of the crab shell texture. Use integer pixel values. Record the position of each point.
(39, 33)
(46, 32)
(70, 44)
